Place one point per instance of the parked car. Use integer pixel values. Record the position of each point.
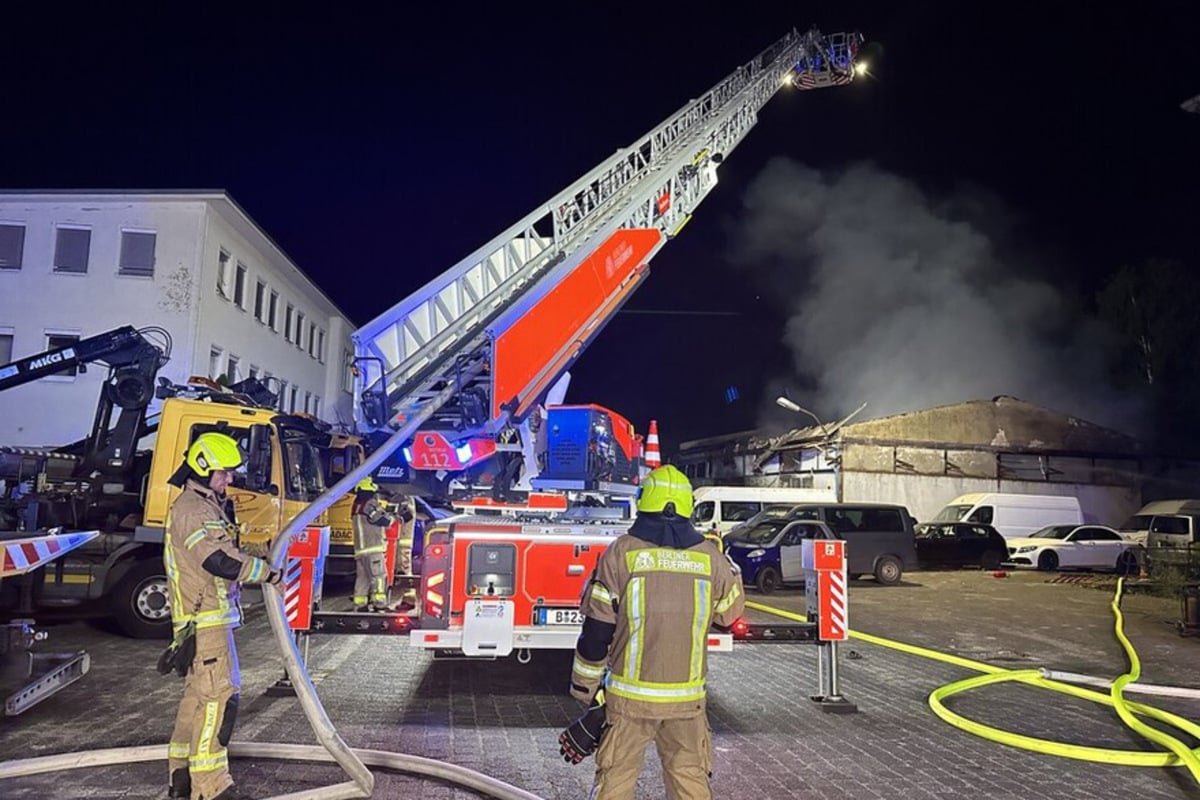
(769, 553)
(724, 507)
(1076, 547)
(960, 544)
(879, 537)
(1164, 523)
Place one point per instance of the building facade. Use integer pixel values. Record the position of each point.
(924, 459)
(191, 263)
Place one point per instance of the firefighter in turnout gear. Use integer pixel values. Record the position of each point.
(407, 511)
(370, 546)
(204, 570)
(647, 612)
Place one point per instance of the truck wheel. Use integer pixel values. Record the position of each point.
(888, 570)
(141, 602)
(768, 580)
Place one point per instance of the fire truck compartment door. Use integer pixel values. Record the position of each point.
(488, 627)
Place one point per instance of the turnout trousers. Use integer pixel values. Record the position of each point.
(206, 714)
(684, 747)
(369, 581)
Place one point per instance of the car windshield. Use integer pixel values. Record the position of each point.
(764, 531)
(1138, 522)
(775, 512)
(953, 514)
(1054, 532)
(704, 511)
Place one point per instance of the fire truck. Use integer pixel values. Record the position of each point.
(467, 375)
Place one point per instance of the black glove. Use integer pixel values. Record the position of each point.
(180, 653)
(582, 737)
(275, 578)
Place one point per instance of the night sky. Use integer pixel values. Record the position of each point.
(380, 146)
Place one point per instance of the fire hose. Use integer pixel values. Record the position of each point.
(1178, 753)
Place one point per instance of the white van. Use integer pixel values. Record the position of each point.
(724, 507)
(1013, 515)
(1164, 523)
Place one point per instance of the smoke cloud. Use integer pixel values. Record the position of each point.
(900, 300)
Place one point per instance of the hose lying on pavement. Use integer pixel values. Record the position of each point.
(1179, 754)
(416, 765)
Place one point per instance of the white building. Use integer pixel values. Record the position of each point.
(77, 264)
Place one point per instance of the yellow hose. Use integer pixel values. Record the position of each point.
(1179, 755)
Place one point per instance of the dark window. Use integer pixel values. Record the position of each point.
(6, 347)
(12, 246)
(223, 274)
(56, 340)
(239, 285)
(738, 512)
(273, 311)
(1172, 525)
(260, 292)
(71, 247)
(137, 254)
(982, 515)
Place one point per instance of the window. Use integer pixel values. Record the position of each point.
(300, 330)
(137, 254)
(287, 323)
(738, 511)
(283, 394)
(231, 369)
(71, 246)
(347, 372)
(982, 515)
(1162, 524)
(292, 399)
(57, 339)
(223, 273)
(273, 311)
(12, 246)
(308, 402)
(239, 286)
(312, 339)
(253, 373)
(316, 405)
(321, 346)
(260, 296)
(214, 362)
(6, 345)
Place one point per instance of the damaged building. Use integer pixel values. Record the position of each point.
(923, 459)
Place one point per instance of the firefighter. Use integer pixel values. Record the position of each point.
(644, 645)
(407, 511)
(370, 544)
(204, 570)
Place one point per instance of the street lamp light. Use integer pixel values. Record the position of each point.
(791, 405)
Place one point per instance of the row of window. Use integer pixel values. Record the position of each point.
(233, 284)
(73, 249)
(226, 367)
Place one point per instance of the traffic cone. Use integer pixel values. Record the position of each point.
(653, 457)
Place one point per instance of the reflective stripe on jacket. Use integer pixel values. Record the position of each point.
(197, 527)
(662, 602)
(370, 526)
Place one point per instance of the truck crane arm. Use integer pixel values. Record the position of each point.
(133, 361)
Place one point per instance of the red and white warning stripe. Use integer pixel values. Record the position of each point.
(292, 595)
(832, 589)
(28, 553)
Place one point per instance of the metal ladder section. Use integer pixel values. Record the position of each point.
(408, 354)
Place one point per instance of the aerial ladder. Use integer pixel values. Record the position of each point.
(473, 352)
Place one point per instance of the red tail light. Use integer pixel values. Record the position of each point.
(435, 598)
(740, 627)
(437, 551)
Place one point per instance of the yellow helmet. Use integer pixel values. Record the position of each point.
(212, 451)
(665, 485)
(367, 484)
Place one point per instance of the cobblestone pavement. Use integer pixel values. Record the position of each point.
(771, 741)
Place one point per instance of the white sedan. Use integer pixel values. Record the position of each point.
(1076, 547)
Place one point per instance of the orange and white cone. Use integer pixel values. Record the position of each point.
(653, 457)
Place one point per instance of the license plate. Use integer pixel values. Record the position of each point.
(559, 616)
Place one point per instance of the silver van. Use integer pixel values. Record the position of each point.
(879, 538)
(1164, 523)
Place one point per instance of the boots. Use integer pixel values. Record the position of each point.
(181, 784)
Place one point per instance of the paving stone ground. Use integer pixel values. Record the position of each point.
(502, 718)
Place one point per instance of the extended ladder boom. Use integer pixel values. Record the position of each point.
(505, 322)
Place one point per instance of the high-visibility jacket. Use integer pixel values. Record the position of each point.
(204, 566)
(660, 602)
(370, 526)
